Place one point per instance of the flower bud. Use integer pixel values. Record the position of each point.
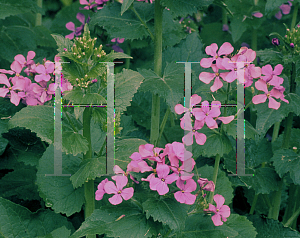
(275, 41)
(292, 45)
(295, 149)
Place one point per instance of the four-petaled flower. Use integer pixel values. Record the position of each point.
(118, 190)
(184, 195)
(221, 211)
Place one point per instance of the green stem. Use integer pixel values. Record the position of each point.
(162, 126)
(274, 211)
(144, 23)
(275, 131)
(89, 193)
(215, 175)
(38, 18)
(295, 13)
(155, 113)
(238, 113)
(253, 204)
(293, 217)
(128, 52)
(292, 205)
(224, 16)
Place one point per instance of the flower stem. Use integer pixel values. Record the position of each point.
(215, 175)
(162, 126)
(144, 23)
(128, 52)
(295, 13)
(89, 193)
(253, 204)
(275, 131)
(38, 18)
(293, 217)
(293, 203)
(155, 113)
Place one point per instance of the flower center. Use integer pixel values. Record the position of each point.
(17, 74)
(218, 210)
(182, 191)
(179, 169)
(10, 88)
(193, 130)
(155, 154)
(45, 89)
(217, 56)
(119, 192)
(217, 74)
(235, 69)
(246, 65)
(268, 95)
(163, 179)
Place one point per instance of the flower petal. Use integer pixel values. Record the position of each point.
(261, 98)
(211, 49)
(116, 199)
(273, 103)
(200, 138)
(217, 220)
(127, 193)
(219, 199)
(206, 77)
(70, 26)
(110, 188)
(225, 49)
(261, 85)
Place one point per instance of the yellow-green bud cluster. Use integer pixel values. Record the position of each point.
(292, 39)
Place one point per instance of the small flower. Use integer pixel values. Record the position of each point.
(275, 41)
(210, 186)
(292, 45)
(257, 14)
(221, 211)
(116, 46)
(118, 190)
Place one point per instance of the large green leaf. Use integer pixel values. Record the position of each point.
(223, 185)
(20, 183)
(57, 191)
(126, 26)
(273, 4)
(17, 221)
(126, 85)
(238, 27)
(168, 211)
(15, 7)
(287, 161)
(3, 141)
(170, 86)
(39, 119)
(266, 116)
(294, 140)
(89, 170)
(61, 232)
(105, 221)
(271, 228)
(78, 97)
(200, 225)
(185, 7)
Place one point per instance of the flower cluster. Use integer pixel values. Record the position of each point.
(18, 87)
(92, 3)
(204, 115)
(284, 9)
(242, 68)
(171, 164)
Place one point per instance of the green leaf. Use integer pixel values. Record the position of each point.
(126, 26)
(116, 55)
(273, 4)
(61, 232)
(216, 143)
(170, 86)
(287, 161)
(62, 42)
(238, 27)
(3, 141)
(125, 5)
(20, 183)
(190, 49)
(200, 225)
(105, 221)
(43, 37)
(271, 228)
(78, 97)
(294, 140)
(125, 148)
(18, 221)
(185, 7)
(223, 185)
(231, 129)
(57, 191)
(89, 170)
(266, 116)
(74, 143)
(126, 85)
(269, 56)
(168, 211)
(15, 7)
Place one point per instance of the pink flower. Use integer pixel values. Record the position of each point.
(18, 84)
(146, 151)
(221, 211)
(206, 114)
(43, 91)
(285, 9)
(271, 77)
(138, 163)
(28, 96)
(176, 151)
(118, 190)
(211, 50)
(185, 196)
(186, 124)
(210, 186)
(195, 99)
(25, 63)
(100, 192)
(44, 71)
(120, 172)
(207, 77)
(261, 98)
(257, 14)
(71, 26)
(185, 169)
(236, 65)
(160, 184)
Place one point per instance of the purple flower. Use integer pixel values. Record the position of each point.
(116, 46)
(71, 26)
(284, 9)
(292, 45)
(275, 41)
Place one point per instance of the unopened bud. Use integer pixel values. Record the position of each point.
(295, 149)
(292, 45)
(275, 41)
(252, 90)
